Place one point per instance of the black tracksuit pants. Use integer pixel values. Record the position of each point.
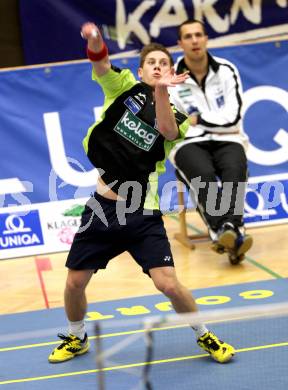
(216, 173)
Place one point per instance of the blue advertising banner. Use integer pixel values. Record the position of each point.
(50, 28)
(45, 113)
(17, 230)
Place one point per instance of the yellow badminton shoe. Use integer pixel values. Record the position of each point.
(220, 351)
(70, 347)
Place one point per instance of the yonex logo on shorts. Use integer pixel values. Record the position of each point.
(136, 131)
(167, 258)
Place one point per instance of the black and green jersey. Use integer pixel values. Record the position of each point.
(124, 144)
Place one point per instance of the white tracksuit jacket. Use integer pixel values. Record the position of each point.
(218, 103)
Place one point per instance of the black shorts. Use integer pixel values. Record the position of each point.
(106, 232)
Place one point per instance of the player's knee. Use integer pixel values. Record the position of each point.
(78, 280)
(168, 286)
(75, 284)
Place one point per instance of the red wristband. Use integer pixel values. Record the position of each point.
(99, 55)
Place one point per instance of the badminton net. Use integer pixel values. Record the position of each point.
(161, 352)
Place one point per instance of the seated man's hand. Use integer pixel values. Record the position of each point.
(193, 120)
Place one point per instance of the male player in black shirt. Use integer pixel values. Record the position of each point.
(128, 145)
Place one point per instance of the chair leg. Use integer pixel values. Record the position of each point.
(182, 236)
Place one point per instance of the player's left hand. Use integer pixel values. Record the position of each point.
(171, 79)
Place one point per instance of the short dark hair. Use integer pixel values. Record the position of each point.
(191, 21)
(154, 47)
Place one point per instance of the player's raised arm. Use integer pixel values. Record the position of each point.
(97, 51)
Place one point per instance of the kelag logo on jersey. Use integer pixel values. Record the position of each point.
(136, 131)
(18, 230)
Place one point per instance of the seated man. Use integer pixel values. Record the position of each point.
(214, 146)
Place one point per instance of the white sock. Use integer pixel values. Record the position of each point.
(200, 330)
(77, 328)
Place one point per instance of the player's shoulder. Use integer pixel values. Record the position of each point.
(119, 78)
(124, 72)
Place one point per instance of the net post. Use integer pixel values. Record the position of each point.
(99, 358)
(149, 356)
